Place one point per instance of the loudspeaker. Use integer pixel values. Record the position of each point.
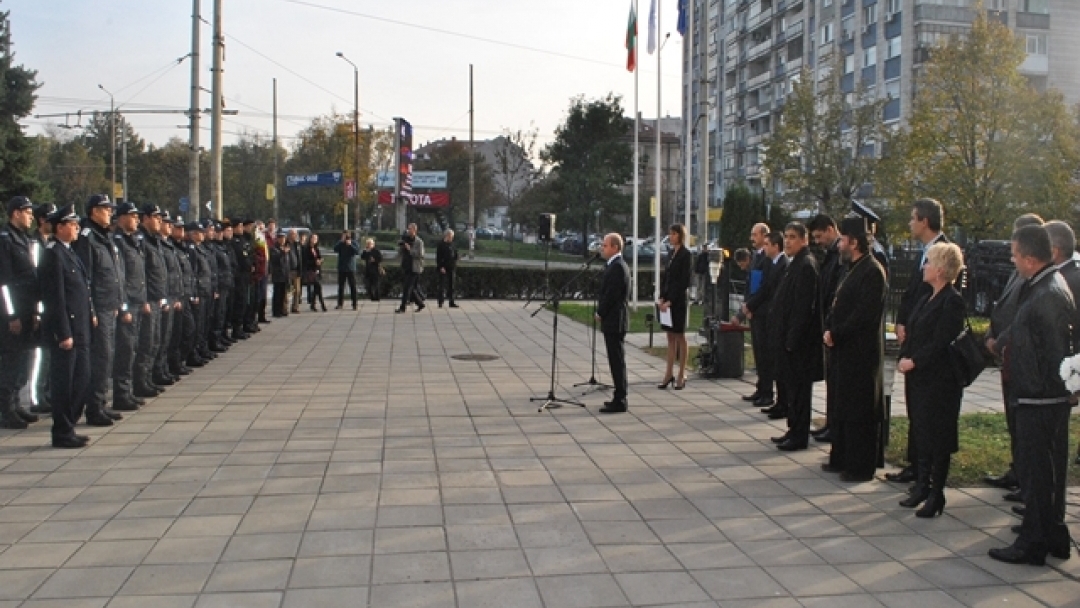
(547, 226)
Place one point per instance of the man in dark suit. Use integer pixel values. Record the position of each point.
(760, 264)
(756, 308)
(67, 323)
(824, 233)
(1067, 261)
(446, 258)
(614, 318)
(796, 335)
(926, 224)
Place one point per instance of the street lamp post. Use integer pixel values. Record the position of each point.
(356, 135)
(112, 138)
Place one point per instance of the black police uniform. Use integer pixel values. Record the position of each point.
(68, 313)
(133, 313)
(241, 303)
(226, 263)
(173, 321)
(144, 372)
(101, 259)
(39, 371)
(183, 337)
(19, 298)
(202, 280)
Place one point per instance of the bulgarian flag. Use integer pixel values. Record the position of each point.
(631, 40)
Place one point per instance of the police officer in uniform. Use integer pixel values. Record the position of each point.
(144, 374)
(101, 259)
(67, 323)
(225, 265)
(39, 374)
(183, 337)
(19, 299)
(241, 246)
(202, 281)
(135, 309)
(177, 290)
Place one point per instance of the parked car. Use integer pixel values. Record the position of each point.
(645, 253)
(484, 233)
(573, 245)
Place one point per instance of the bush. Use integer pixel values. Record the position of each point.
(508, 283)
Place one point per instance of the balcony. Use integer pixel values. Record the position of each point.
(1034, 21)
(763, 17)
(759, 80)
(1038, 65)
(795, 29)
(759, 49)
(795, 65)
(948, 14)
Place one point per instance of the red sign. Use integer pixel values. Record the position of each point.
(431, 199)
(350, 189)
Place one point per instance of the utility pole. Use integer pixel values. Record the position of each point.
(112, 137)
(471, 224)
(195, 111)
(215, 114)
(356, 140)
(123, 156)
(275, 185)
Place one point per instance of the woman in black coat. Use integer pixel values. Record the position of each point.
(674, 289)
(312, 265)
(373, 271)
(932, 391)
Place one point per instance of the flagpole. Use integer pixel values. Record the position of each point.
(690, 114)
(637, 165)
(659, 163)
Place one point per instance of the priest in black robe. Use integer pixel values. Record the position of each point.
(854, 334)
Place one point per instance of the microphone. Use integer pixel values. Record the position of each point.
(595, 256)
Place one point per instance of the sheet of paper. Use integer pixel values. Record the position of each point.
(665, 318)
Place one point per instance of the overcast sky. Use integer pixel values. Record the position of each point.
(530, 58)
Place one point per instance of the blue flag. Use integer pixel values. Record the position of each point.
(682, 18)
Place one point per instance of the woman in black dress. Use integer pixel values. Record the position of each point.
(312, 265)
(373, 271)
(932, 391)
(674, 287)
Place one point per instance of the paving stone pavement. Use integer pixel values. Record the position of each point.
(345, 459)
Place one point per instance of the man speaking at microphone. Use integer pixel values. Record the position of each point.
(614, 319)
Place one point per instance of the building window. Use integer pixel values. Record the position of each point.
(849, 63)
(1037, 6)
(893, 48)
(870, 14)
(869, 56)
(896, 5)
(826, 3)
(1036, 44)
(892, 89)
(827, 33)
(995, 5)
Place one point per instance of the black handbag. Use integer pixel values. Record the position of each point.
(967, 356)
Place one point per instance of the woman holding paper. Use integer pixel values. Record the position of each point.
(674, 287)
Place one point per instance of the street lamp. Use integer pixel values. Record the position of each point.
(112, 137)
(356, 135)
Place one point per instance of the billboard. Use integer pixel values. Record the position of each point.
(432, 199)
(431, 180)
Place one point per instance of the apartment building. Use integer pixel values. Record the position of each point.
(748, 54)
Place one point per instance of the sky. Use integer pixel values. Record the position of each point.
(529, 57)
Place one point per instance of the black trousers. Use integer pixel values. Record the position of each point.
(127, 348)
(346, 276)
(446, 286)
(102, 346)
(854, 446)
(372, 284)
(314, 294)
(912, 449)
(221, 316)
(184, 331)
(616, 353)
(15, 361)
(202, 312)
(410, 290)
(69, 373)
(150, 348)
(763, 357)
(239, 303)
(281, 290)
(800, 395)
(1042, 434)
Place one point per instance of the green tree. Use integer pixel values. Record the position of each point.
(17, 99)
(68, 172)
(544, 196)
(326, 145)
(822, 151)
(592, 160)
(982, 140)
(453, 157)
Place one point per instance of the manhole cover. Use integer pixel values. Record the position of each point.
(474, 357)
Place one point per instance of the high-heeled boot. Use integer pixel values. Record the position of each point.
(921, 490)
(935, 503)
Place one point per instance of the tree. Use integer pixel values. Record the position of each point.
(453, 157)
(592, 160)
(17, 87)
(67, 170)
(514, 172)
(326, 145)
(544, 196)
(823, 148)
(982, 140)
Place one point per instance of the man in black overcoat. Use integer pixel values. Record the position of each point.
(856, 343)
(926, 224)
(796, 334)
(824, 233)
(67, 322)
(757, 309)
(614, 318)
(760, 265)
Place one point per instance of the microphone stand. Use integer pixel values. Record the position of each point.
(550, 400)
(593, 383)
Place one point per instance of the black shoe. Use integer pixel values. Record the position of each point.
(111, 414)
(778, 414)
(753, 397)
(906, 475)
(934, 506)
(853, 478)
(194, 362)
(137, 401)
(263, 319)
(338, 307)
(125, 406)
(420, 307)
(41, 408)
(826, 437)
(324, 308)
(82, 438)
(1032, 556)
(918, 495)
(98, 419)
(613, 409)
(440, 303)
(1014, 497)
(1061, 550)
(452, 305)
(354, 306)
(828, 468)
(68, 443)
(792, 445)
(217, 348)
(816, 432)
(26, 416)
(145, 391)
(160, 381)
(780, 439)
(763, 402)
(1007, 481)
(1016, 529)
(12, 421)
(1019, 510)
(399, 310)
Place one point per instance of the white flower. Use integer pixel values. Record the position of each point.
(1070, 372)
